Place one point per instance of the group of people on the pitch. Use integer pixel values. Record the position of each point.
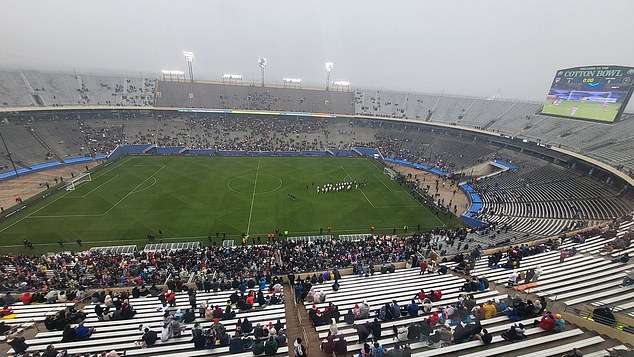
(340, 186)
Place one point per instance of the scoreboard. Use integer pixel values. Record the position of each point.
(597, 93)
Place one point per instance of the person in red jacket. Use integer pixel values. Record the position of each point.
(26, 298)
(547, 322)
(434, 318)
(170, 297)
(423, 267)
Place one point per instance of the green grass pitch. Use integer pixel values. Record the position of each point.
(191, 198)
(585, 110)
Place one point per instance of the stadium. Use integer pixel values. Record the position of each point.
(164, 214)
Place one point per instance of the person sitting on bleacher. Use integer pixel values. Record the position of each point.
(328, 345)
(396, 310)
(412, 308)
(82, 332)
(18, 344)
(413, 331)
(435, 340)
(148, 338)
(362, 332)
(401, 332)
(427, 305)
(349, 317)
(365, 351)
(356, 311)
(170, 297)
(69, 334)
(26, 298)
(270, 347)
(489, 310)
(470, 285)
(435, 295)
(515, 333)
(560, 324)
(385, 312)
(51, 296)
(624, 258)
(6, 311)
(547, 322)
(484, 336)
(434, 318)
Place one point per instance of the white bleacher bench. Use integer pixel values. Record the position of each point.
(559, 350)
(526, 343)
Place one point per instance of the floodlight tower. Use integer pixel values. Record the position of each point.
(189, 58)
(329, 66)
(262, 63)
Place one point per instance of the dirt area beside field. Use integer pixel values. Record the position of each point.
(32, 184)
(446, 190)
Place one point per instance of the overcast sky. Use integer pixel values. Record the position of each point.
(508, 48)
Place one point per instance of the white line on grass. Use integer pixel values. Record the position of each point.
(89, 192)
(386, 186)
(29, 215)
(352, 178)
(134, 189)
(255, 184)
(61, 196)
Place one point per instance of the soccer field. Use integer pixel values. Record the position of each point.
(192, 198)
(585, 110)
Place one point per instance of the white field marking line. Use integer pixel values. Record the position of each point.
(315, 233)
(386, 186)
(366, 197)
(60, 196)
(121, 162)
(255, 184)
(143, 189)
(89, 192)
(68, 216)
(132, 191)
(30, 214)
(384, 206)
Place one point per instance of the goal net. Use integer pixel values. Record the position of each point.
(73, 183)
(587, 96)
(393, 174)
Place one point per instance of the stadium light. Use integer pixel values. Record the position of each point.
(292, 82)
(262, 63)
(189, 59)
(231, 78)
(329, 67)
(171, 74)
(341, 85)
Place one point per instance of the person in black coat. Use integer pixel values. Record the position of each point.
(362, 332)
(18, 344)
(246, 326)
(69, 334)
(149, 337)
(349, 317)
(376, 329)
(236, 345)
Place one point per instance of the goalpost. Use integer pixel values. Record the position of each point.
(393, 174)
(73, 183)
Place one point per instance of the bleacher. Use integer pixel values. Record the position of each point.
(404, 284)
(218, 95)
(121, 335)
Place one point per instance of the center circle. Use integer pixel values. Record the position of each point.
(244, 184)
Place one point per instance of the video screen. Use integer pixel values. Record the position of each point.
(593, 93)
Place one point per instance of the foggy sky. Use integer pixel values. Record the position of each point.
(508, 48)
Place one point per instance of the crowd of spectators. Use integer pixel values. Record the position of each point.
(47, 276)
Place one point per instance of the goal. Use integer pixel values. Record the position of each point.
(393, 174)
(73, 183)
